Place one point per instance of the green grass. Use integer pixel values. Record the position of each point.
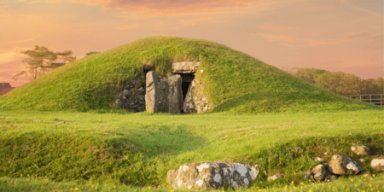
(56, 134)
(352, 184)
(233, 80)
(368, 184)
(45, 185)
(138, 149)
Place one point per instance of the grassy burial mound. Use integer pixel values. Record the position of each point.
(228, 79)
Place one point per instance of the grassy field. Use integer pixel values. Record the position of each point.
(136, 150)
(63, 131)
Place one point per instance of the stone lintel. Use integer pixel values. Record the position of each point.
(185, 67)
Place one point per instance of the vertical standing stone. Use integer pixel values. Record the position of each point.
(175, 95)
(163, 89)
(151, 97)
(201, 102)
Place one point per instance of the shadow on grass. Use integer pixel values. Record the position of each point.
(276, 101)
(164, 140)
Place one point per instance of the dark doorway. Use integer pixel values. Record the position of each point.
(185, 88)
(187, 80)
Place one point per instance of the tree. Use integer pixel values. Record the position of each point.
(41, 60)
(341, 83)
(372, 86)
(65, 56)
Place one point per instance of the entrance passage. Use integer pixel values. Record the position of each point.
(187, 89)
(175, 93)
(187, 80)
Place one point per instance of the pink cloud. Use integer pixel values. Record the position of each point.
(167, 6)
(295, 40)
(9, 69)
(305, 37)
(10, 55)
(277, 27)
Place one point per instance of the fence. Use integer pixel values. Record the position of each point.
(373, 99)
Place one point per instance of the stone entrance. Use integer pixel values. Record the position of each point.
(178, 93)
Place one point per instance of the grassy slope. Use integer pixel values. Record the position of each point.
(234, 81)
(138, 149)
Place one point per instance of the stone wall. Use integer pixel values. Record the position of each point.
(132, 97)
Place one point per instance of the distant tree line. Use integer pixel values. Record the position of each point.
(342, 83)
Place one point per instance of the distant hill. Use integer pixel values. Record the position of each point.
(5, 87)
(233, 81)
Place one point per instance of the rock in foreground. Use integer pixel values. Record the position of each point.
(378, 164)
(319, 173)
(205, 176)
(360, 150)
(343, 165)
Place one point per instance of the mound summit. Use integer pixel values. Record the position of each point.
(177, 75)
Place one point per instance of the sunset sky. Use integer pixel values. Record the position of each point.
(336, 35)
